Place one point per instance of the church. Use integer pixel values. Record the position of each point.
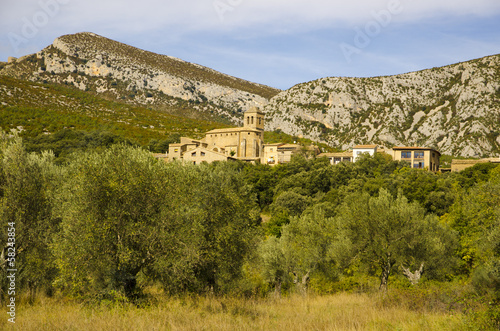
(242, 143)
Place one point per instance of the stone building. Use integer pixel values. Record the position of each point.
(418, 157)
(241, 143)
(459, 165)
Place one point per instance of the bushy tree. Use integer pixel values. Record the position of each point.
(110, 207)
(478, 173)
(307, 244)
(273, 266)
(385, 232)
(127, 216)
(475, 216)
(26, 207)
(302, 250)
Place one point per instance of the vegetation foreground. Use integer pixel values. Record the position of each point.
(341, 311)
(112, 238)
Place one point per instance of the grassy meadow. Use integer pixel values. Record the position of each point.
(342, 311)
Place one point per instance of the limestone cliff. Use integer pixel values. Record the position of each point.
(118, 71)
(455, 109)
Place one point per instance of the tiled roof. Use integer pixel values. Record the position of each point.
(339, 154)
(415, 148)
(228, 130)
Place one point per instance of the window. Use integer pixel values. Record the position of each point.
(418, 155)
(271, 149)
(359, 153)
(260, 120)
(406, 155)
(176, 150)
(418, 165)
(202, 153)
(193, 154)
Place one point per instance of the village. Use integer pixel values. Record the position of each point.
(247, 144)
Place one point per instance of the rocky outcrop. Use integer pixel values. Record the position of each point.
(455, 109)
(93, 63)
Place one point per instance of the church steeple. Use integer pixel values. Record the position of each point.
(254, 119)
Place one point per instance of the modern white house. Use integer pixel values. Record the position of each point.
(361, 149)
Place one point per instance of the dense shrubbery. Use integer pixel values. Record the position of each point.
(113, 220)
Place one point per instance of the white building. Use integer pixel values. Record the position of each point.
(361, 149)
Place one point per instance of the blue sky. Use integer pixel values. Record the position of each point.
(275, 42)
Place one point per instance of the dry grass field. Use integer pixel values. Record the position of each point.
(334, 312)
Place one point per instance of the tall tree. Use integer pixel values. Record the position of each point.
(110, 206)
(127, 215)
(476, 217)
(385, 232)
(26, 210)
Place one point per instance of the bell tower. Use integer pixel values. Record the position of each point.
(254, 119)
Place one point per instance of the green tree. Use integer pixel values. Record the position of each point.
(26, 207)
(128, 218)
(110, 207)
(480, 172)
(475, 215)
(272, 261)
(385, 232)
(307, 243)
(301, 252)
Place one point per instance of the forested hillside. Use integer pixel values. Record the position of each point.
(65, 120)
(115, 225)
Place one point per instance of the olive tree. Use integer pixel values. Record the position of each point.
(26, 210)
(110, 205)
(385, 232)
(302, 250)
(127, 217)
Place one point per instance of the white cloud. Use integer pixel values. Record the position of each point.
(137, 16)
(158, 25)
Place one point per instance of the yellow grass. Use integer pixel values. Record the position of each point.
(334, 312)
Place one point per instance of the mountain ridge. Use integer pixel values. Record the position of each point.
(97, 64)
(453, 108)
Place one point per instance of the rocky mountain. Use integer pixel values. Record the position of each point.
(117, 71)
(455, 109)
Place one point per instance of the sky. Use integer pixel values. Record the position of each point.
(278, 43)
